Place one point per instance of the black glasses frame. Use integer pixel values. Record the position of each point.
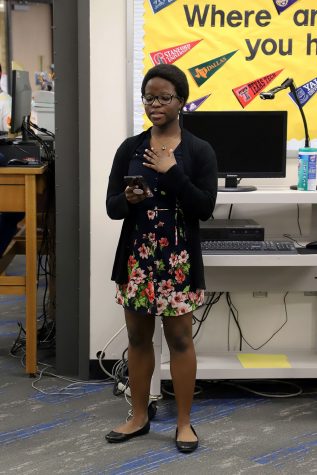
(147, 103)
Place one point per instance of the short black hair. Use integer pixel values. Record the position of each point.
(171, 73)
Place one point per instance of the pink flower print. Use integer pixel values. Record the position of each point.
(161, 305)
(200, 296)
(131, 289)
(151, 237)
(160, 224)
(138, 276)
(164, 242)
(183, 257)
(149, 291)
(173, 260)
(150, 214)
(165, 287)
(183, 309)
(144, 251)
(131, 262)
(176, 298)
(193, 296)
(179, 276)
(119, 298)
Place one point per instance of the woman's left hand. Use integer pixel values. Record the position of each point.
(159, 160)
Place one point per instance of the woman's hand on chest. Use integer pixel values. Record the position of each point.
(159, 160)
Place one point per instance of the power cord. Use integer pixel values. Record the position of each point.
(299, 390)
(235, 314)
(211, 300)
(70, 390)
(197, 390)
(288, 236)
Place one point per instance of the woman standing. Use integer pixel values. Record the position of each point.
(158, 266)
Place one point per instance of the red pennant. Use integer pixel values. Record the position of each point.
(170, 55)
(247, 92)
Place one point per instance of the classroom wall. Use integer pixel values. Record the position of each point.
(108, 130)
(109, 125)
(32, 39)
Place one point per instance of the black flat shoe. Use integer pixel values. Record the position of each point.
(120, 437)
(186, 447)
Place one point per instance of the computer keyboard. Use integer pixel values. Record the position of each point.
(248, 247)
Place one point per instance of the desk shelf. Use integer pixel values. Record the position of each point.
(279, 195)
(225, 365)
(245, 273)
(277, 260)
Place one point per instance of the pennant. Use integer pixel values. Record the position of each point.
(282, 5)
(170, 55)
(247, 92)
(305, 92)
(202, 72)
(192, 106)
(158, 5)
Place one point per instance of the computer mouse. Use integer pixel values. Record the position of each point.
(312, 245)
(17, 161)
(26, 161)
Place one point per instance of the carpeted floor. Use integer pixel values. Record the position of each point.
(59, 427)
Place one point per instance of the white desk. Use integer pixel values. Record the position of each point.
(260, 273)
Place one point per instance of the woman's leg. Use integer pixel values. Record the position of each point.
(178, 334)
(141, 366)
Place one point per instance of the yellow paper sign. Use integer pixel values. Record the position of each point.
(251, 360)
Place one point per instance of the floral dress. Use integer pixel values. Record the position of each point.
(159, 263)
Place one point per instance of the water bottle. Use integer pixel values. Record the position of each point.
(307, 158)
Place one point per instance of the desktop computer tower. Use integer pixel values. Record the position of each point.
(231, 230)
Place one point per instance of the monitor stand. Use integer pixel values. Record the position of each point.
(231, 184)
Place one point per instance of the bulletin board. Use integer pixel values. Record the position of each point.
(231, 52)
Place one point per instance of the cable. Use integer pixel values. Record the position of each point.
(288, 236)
(272, 395)
(235, 317)
(298, 222)
(198, 390)
(233, 309)
(230, 211)
(102, 353)
(69, 387)
(211, 300)
(41, 129)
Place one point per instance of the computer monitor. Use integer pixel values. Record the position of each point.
(21, 102)
(247, 144)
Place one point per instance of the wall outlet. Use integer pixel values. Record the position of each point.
(259, 294)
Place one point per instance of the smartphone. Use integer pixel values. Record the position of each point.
(139, 183)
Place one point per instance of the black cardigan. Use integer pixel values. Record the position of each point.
(195, 188)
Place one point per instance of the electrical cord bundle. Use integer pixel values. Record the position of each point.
(76, 388)
(235, 314)
(120, 375)
(211, 300)
(46, 252)
(119, 370)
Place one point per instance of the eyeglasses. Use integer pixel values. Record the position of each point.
(163, 99)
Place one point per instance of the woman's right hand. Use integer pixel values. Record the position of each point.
(133, 197)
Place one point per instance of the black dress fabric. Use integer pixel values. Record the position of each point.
(159, 263)
(194, 185)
